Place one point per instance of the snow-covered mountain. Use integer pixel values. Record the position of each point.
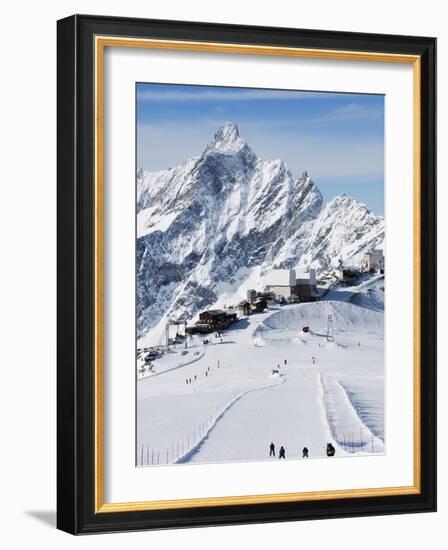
(345, 229)
(210, 222)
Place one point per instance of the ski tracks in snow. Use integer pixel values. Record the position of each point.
(186, 457)
(346, 427)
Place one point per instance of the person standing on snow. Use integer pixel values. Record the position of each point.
(281, 453)
(305, 452)
(272, 449)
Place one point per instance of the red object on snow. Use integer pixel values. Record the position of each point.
(306, 329)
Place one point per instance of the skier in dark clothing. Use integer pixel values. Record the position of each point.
(281, 453)
(272, 449)
(330, 449)
(305, 452)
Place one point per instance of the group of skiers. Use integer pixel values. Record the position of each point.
(282, 452)
(189, 380)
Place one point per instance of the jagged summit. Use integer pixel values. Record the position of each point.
(229, 130)
(227, 139)
(348, 203)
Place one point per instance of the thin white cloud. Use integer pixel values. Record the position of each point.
(230, 95)
(352, 111)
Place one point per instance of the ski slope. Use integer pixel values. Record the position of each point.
(221, 402)
(266, 415)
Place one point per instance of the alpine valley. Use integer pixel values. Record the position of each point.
(209, 228)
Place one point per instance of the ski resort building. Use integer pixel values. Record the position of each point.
(213, 316)
(212, 320)
(287, 283)
(373, 261)
(346, 276)
(281, 282)
(259, 305)
(199, 328)
(244, 307)
(217, 318)
(251, 295)
(305, 287)
(232, 317)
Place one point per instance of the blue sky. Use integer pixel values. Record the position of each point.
(337, 138)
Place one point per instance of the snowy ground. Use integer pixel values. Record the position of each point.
(235, 406)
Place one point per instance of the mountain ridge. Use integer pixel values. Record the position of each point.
(216, 217)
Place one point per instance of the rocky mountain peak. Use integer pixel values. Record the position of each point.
(227, 139)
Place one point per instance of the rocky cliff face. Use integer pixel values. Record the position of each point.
(210, 220)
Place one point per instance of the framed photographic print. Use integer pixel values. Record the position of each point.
(246, 274)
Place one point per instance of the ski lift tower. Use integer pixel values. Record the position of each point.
(167, 336)
(330, 337)
(176, 324)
